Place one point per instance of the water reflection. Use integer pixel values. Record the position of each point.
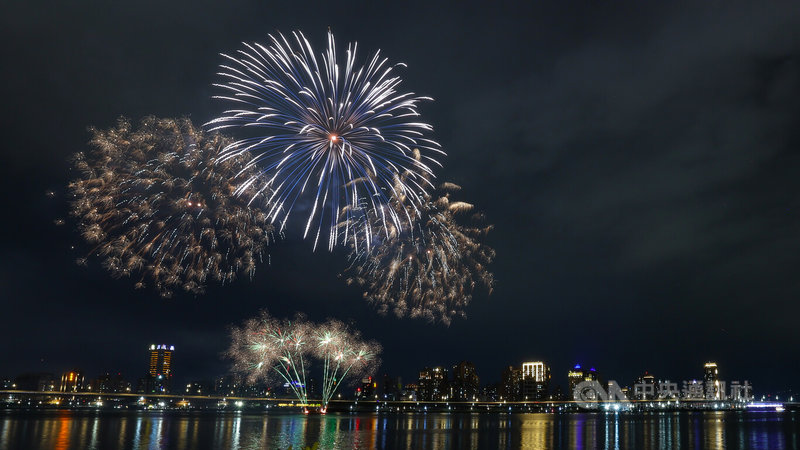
(146, 430)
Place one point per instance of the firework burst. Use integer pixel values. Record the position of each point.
(338, 129)
(427, 269)
(155, 201)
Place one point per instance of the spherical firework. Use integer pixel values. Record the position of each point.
(155, 201)
(266, 349)
(427, 269)
(341, 132)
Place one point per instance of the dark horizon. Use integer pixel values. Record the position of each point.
(638, 162)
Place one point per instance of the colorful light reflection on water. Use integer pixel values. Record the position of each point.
(149, 430)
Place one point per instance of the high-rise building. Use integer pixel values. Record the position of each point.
(645, 387)
(36, 382)
(533, 371)
(711, 372)
(433, 384)
(248, 389)
(199, 387)
(535, 381)
(714, 389)
(511, 384)
(227, 385)
(111, 382)
(574, 376)
(161, 360)
(409, 392)
(368, 389)
(159, 375)
(312, 388)
(490, 392)
(577, 375)
(72, 381)
(391, 388)
(465, 385)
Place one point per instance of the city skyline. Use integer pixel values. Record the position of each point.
(527, 381)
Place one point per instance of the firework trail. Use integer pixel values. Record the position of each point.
(337, 129)
(266, 348)
(428, 268)
(156, 201)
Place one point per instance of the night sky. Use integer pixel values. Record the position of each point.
(639, 162)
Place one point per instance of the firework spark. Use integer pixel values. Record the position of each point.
(343, 132)
(427, 269)
(155, 201)
(266, 348)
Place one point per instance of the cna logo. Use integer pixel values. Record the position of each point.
(590, 394)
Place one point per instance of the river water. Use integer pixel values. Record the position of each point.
(221, 430)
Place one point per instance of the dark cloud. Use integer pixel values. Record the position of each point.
(638, 160)
(657, 170)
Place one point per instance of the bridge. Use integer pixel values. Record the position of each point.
(129, 400)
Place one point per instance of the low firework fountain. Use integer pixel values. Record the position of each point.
(269, 349)
(266, 348)
(343, 353)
